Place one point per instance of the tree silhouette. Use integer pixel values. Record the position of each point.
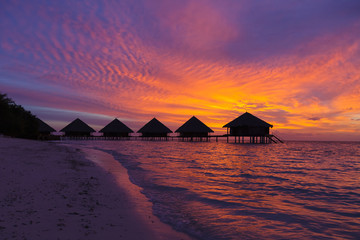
(15, 121)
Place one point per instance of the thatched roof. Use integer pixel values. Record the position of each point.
(77, 126)
(194, 125)
(248, 120)
(44, 127)
(116, 126)
(154, 126)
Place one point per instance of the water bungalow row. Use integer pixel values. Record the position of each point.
(247, 128)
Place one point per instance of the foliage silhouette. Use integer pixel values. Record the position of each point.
(15, 121)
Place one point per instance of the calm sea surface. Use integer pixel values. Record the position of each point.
(296, 190)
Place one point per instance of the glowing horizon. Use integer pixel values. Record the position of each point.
(292, 64)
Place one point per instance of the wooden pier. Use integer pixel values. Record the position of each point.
(229, 139)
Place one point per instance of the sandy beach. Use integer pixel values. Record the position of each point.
(50, 191)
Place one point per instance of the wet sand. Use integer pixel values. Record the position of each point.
(50, 191)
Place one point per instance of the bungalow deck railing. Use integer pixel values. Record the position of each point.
(277, 139)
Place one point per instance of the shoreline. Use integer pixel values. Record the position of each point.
(140, 204)
(51, 191)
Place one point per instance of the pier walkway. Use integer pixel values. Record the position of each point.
(271, 138)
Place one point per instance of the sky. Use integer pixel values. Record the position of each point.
(293, 63)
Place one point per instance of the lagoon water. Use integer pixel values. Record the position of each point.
(216, 190)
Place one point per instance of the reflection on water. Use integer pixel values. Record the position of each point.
(228, 191)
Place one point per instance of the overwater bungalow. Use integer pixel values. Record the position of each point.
(116, 129)
(247, 125)
(44, 130)
(194, 129)
(77, 129)
(154, 130)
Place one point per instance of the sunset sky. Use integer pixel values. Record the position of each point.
(293, 63)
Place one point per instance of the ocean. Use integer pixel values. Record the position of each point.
(217, 190)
